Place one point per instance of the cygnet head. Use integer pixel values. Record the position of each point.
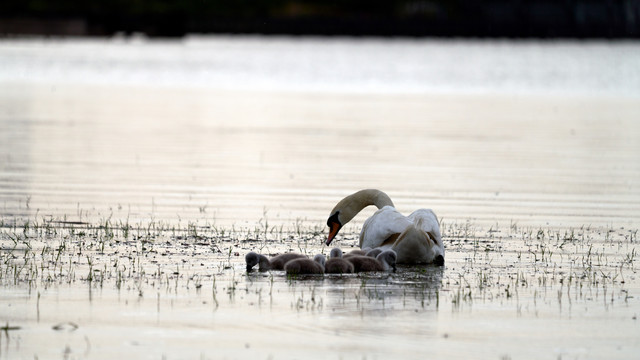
(374, 252)
(320, 259)
(252, 259)
(335, 253)
(388, 259)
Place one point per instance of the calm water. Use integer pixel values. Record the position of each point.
(330, 64)
(211, 147)
(494, 131)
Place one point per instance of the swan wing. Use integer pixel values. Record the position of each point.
(427, 220)
(383, 227)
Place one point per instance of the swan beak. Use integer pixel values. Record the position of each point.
(333, 231)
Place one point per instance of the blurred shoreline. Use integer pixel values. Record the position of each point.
(575, 19)
(331, 65)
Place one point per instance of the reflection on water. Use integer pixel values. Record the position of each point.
(90, 153)
(88, 133)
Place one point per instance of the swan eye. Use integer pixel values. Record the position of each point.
(333, 219)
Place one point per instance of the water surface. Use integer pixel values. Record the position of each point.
(135, 175)
(234, 157)
(332, 65)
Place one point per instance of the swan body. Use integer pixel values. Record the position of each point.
(415, 238)
(385, 261)
(306, 266)
(337, 264)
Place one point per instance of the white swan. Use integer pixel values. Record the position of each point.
(415, 238)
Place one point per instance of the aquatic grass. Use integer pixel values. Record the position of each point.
(214, 291)
(523, 267)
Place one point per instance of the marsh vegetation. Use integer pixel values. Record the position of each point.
(86, 280)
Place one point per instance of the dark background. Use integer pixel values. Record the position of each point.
(460, 18)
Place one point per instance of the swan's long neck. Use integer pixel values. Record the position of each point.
(350, 206)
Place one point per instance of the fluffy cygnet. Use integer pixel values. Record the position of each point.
(385, 261)
(374, 252)
(336, 264)
(278, 262)
(306, 266)
(253, 258)
(275, 263)
(357, 252)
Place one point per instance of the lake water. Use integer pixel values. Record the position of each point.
(332, 64)
(156, 165)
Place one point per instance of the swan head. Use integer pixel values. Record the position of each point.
(347, 208)
(334, 225)
(388, 259)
